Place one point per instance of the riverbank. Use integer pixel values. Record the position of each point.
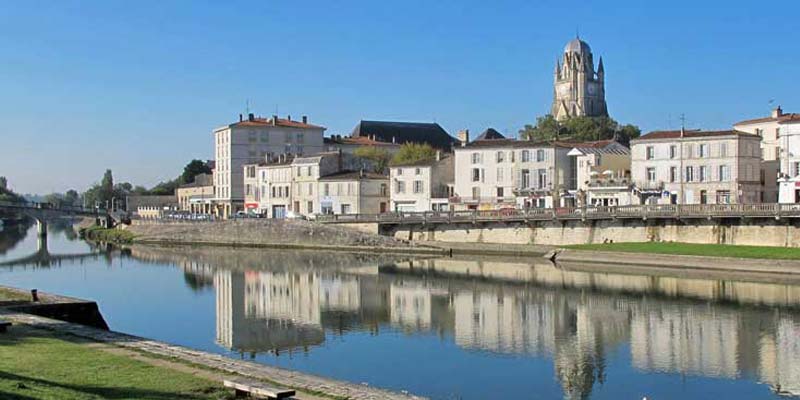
(44, 339)
(693, 249)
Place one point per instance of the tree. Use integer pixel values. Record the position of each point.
(377, 156)
(71, 197)
(3, 183)
(413, 152)
(165, 188)
(580, 129)
(192, 169)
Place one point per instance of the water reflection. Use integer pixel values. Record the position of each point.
(672, 325)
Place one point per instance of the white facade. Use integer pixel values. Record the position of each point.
(250, 141)
(421, 186)
(354, 193)
(602, 174)
(484, 174)
(696, 167)
(789, 181)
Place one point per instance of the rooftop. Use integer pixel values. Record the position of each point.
(609, 146)
(514, 143)
(695, 133)
(490, 134)
(352, 175)
(777, 116)
(359, 141)
(287, 122)
(405, 132)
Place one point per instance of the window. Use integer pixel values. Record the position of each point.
(310, 189)
(251, 137)
(702, 150)
(724, 173)
(476, 192)
(673, 174)
(299, 171)
(418, 187)
(345, 208)
(417, 171)
(500, 174)
(795, 168)
(274, 192)
(384, 190)
(651, 174)
(723, 149)
(689, 151)
(499, 192)
(541, 178)
(539, 155)
(723, 196)
(649, 153)
(476, 158)
(399, 171)
(702, 173)
(759, 132)
(400, 187)
(327, 190)
(308, 171)
(673, 151)
(526, 156)
(526, 179)
(500, 157)
(476, 174)
(300, 138)
(689, 174)
(310, 207)
(777, 133)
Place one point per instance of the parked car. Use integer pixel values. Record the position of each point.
(295, 215)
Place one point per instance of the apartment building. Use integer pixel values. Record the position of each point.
(545, 174)
(250, 141)
(268, 186)
(484, 174)
(789, 179)
(774, 146)
(307, 171)
(602, 173)
(421, 186)
(696, 167)
(354, 192)
(196, 197)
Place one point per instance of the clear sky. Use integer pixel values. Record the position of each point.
(138, 86)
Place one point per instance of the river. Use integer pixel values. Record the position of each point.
(447, 328)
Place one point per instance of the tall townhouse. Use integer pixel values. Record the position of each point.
(789, 179)
(774, 147)
(250, 141)
(306, 174)
(425, 185)
(484, 173)
(696, 167)
(354, 192)
(544, 172)
(268, 186)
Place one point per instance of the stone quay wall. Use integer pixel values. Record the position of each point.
(758, 232)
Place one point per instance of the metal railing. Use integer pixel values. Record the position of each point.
(665, 211)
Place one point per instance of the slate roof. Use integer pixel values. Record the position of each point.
(405, 132)
(696, 133)
(490, 134)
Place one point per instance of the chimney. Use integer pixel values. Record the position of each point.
(683, 131)
(240, 117)
(274, 120)
(251, 117)
(463, 136)
(305, 119)
(778, 112)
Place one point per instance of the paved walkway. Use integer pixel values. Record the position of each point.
(280, 376)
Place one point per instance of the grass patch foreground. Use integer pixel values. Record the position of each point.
(36, 364)
(692, 249)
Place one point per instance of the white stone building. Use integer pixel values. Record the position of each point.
(484, 174)
(544, 175)
(789, 179)
(307, 171)
(422, 186)
(696, 167)
(251, 141)
(602, 173)
(354, 192)
(268, 186)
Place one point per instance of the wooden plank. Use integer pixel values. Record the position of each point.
(258, 389)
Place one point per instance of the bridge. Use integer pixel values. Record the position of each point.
(641, 212)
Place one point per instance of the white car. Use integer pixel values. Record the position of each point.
(295, 215)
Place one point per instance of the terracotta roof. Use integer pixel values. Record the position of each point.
(689, 134)
(790, 117)
(352, 175)
(286, 123)
(514, 143)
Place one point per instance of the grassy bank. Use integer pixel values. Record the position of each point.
(39, 364)
(101, 234)
(13, 295)
(691, 249)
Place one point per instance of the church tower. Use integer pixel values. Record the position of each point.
(579, 90)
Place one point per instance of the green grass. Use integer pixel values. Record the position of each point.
(691, 249)
(37, 365)
(101, 234)
(13, 295)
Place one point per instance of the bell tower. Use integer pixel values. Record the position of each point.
(578, 90)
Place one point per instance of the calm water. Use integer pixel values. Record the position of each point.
(447, 328)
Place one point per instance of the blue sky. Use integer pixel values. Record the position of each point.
(138, 86)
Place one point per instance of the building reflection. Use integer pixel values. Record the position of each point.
(700, 327)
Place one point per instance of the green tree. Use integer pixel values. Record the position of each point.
(71, 197)
(3, 183)
(413, 152)
(192, 169)
(579, 129)
(378, 157)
